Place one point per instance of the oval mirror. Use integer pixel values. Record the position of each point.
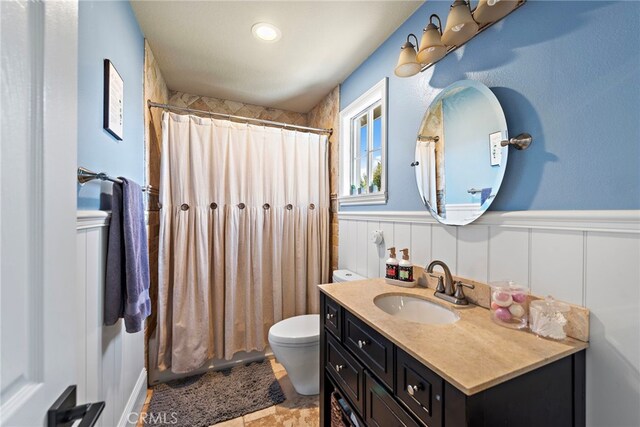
(459, 160)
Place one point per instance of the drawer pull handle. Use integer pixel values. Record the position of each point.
(411, 389)
(339, 368)
(362, 343)
(438, 397)
(330, 316)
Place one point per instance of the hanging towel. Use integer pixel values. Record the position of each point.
(127, 279)
(484, 195)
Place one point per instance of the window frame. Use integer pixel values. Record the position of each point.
(366, 103)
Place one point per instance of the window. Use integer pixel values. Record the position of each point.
(363, 139)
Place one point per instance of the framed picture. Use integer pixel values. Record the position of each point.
(113, 101)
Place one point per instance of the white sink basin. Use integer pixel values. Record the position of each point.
(415, 309)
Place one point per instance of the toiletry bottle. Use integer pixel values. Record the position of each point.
(405, 267)
(392, 265)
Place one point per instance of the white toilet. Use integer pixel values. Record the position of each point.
(295, 343)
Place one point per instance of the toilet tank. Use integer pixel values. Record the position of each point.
(346, 276)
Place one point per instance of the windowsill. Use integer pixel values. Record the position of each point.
(379, 198)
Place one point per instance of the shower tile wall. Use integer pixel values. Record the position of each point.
(327, 115)
(155, 89)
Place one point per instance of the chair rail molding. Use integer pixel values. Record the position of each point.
(611, 221)
(92, 219)
(95, 219)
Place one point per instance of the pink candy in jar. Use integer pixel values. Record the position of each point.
(509, 304)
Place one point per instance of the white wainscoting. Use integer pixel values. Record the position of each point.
(110, 361)
(590, 258)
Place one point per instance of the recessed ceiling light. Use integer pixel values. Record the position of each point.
(266, 32)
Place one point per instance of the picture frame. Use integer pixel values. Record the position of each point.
(113, 116)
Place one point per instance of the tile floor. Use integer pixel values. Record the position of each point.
(295, 411)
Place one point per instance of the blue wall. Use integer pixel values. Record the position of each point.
(566, 72)
(109, 29)
(470, 119)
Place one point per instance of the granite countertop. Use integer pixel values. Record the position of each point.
(473, 354)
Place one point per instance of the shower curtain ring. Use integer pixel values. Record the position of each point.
(312, 206)
(184, 207)
(213, 206)
(266, 206)
(241, 205)
(289, 206)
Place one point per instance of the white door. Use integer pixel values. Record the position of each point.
(38, 49)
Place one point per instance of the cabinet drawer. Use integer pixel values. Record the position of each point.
(332, 318)
(374, 350)
(420, 389)
(346, 371)
(381, 409)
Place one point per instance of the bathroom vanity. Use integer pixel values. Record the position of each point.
(389, 371)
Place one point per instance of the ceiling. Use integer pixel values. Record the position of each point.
(207, 48)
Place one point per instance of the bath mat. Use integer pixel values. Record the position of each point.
(213, 397)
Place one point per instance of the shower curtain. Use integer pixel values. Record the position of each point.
(244, 235)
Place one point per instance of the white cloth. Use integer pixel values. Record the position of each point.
(426, 173)
(227, 274)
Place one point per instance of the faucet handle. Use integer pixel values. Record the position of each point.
(440, 286)
(459, 293)
(466, 285)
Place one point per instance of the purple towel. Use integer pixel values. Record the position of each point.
(484, 195)
(127, 279)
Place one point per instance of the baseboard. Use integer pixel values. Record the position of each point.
(135, 403)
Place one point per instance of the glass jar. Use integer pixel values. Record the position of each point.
(509, 304)
(548, 318)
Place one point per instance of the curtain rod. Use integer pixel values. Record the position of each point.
(283, 125)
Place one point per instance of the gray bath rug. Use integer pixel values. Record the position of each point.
(210, 398)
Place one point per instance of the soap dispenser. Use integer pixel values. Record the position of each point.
(392, 265)
(405, 267)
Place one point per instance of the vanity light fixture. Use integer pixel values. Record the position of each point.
(431, 47)
(408, 64)
(463, 24)
(460, 24)
(493, 10)
(266, 32)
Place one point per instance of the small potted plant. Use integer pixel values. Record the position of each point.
(377, 179)
(353, 189)
(363, 184)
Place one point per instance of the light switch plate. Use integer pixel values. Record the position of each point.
(495, 148)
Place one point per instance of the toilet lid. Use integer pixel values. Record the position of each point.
(296, 330)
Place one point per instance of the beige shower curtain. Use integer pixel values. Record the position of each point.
(244, 235)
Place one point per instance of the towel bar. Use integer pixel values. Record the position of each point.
(85, 175)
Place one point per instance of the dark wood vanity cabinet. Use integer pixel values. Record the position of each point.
(386, 387)
(369, 346)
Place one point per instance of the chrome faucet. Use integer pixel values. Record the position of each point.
(446, 290)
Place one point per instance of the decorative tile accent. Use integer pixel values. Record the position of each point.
(225, 106)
